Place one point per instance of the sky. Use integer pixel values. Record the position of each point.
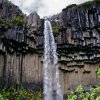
(44, 7)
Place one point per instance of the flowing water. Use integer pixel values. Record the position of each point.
(52, 90)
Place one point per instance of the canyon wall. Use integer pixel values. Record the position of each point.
(78, 41)
(76, 31)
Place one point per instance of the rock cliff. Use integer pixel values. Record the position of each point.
(18, 53)
(76, 31)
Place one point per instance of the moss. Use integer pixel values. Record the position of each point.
(70, 6)
(89, 3)
(55, 29)
(18, 21)
(85, 4)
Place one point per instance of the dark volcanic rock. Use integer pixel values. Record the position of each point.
(79, 24)
(77, 34)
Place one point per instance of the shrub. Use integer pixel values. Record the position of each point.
(98, 73)
(20, 94)
(79, 94)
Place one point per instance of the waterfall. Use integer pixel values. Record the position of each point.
(52, 90)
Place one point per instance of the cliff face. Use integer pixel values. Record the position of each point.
(20, 64)
(80, 23)
(84, 25)
(76, 31)
(78, 28)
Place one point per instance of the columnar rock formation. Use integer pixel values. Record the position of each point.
(76, 31)
(20, 62)
(77, 35)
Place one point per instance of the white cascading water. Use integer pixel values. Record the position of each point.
(52, 89)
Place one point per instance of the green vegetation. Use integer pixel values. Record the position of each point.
(85, 4)
(70, 6)
(89, 3)
(55, 29)
(80, 94)
(18, 21)
(20, 94)
(98, 73)
(23, 94)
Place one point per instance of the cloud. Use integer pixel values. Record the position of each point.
(44, 7)
(34, 5)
